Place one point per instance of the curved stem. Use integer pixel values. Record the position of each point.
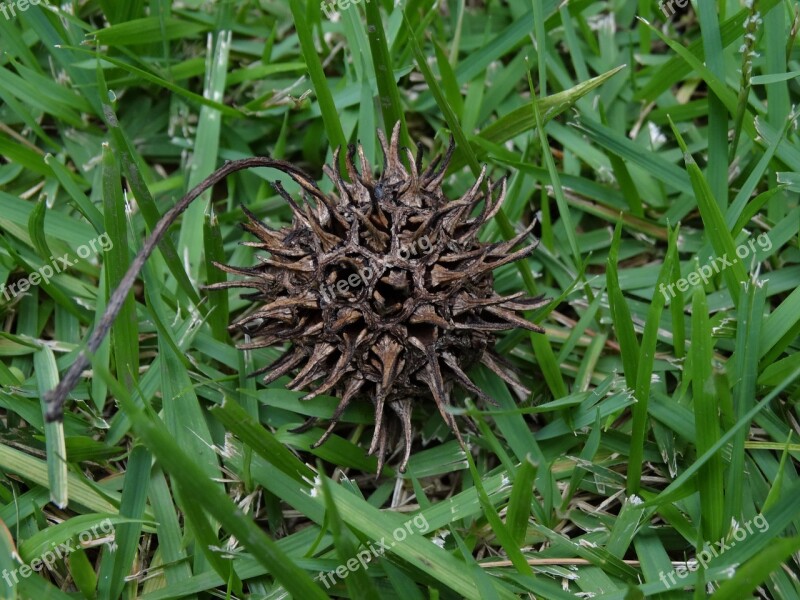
(54, 399)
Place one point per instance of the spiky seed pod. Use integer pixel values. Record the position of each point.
(383, 291)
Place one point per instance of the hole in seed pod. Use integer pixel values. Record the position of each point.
(340, 229)
(424, 333)
(347, 281)
(394, 288)
(253, 325)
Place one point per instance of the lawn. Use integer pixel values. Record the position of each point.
(625, 427)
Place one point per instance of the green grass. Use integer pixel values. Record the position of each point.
(660, 424)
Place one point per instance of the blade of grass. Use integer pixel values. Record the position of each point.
(620, 313)
(124, 333)
(219, 312)
(116, 565)
(717, 132)
(330, 115)
(191, 96)
(360, 515)
(748, 332)
(706, 409)
(750, 575)
(388, 92)
(645, 369)
(561, 202)
(36, 471)
(519, 505)
(675, 490)
(186, 473)
(134, 168)
(718, 233)
(46, 378)
(358, 582)
(205, 152)
(519, 120)
(626, 526)
(675, 69)
(36, 229)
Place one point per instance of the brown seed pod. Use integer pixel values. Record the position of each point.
(382, 290)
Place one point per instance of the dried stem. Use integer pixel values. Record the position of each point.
(54, 399)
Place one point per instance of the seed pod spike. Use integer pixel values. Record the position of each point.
(385, 147)
(465, 381)
(287, 361)
(440, 163)
(418, 158)
(313, 367)
(338, 369)
(488, 360)
(366, 169)
(402, 409)
(350, 391)
(380, 402)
